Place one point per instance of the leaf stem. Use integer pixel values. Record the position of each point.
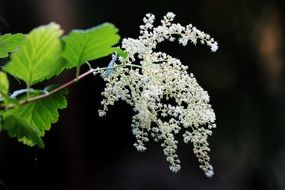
(77, 72)
(67, 84)
(90, 67)
(28, 90)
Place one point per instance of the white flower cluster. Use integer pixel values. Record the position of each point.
(164, 96)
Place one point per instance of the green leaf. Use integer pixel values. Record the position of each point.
(19, 128)
(90, 44)
(4, 88)
(9, 43)
(38, 57)
(42, 113)
(6, 101)
(121, 52)
(4, 84)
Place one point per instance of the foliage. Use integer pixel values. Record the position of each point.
(37, 117)
(90, 44)
(35, 57)
(4, 84)
(9, 43)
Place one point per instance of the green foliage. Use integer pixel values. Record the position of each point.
(27, 114)
(90, 44)
(121, 53)
(38, 57)
(4, 84)
(9, 43)
(4, 88)
(21, 129)
(36, 117)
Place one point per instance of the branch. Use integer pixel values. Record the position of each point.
(65, 85)
(69, 83)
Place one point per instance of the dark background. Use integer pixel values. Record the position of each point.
(245, 80)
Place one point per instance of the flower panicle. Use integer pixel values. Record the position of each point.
(164, 97)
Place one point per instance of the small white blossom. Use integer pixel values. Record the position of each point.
(164, 96)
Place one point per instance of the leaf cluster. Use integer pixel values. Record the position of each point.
(38, 56)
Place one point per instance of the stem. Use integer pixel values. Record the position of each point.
(77, 72)
(133, 65)
(28, 91)
(88, 65)
(67, 84)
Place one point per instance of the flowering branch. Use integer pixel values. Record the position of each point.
(166, 99)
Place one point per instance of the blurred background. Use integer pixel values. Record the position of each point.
(245, 80)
